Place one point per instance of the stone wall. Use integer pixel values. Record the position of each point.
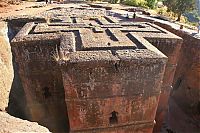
(186, 83)
(114, 93)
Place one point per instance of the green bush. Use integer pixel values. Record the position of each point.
(142, 3)
(151, 3)
(113, 1)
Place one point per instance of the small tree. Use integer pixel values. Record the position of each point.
(179, 6)
(151, 3)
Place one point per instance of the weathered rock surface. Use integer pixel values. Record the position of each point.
(186, 83)
(6, 68)
(10, 124)
(103, 70)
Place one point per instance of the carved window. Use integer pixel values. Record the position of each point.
(113, 119)
(46, 92)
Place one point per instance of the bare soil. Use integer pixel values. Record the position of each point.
(22, 8)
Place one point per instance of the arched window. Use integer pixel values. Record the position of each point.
(113, 119)
(46, 92)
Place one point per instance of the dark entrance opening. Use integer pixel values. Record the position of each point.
(113, 119)
(46, 92)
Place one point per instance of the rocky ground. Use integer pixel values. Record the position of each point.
(10, 124)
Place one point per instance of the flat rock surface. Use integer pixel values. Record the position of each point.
(10, 124)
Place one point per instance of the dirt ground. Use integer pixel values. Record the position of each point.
(24, 8)
(29, 8)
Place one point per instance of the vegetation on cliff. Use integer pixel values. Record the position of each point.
(142, 3)
(180, 6)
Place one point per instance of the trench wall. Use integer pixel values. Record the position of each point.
(186, 81)
(6, 69)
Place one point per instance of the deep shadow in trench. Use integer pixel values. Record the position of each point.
(17, 101)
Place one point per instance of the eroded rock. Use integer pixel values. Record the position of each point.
(6, 69)
(10, 124)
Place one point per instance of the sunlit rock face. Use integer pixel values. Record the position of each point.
(6, 68)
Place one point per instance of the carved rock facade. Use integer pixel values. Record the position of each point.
(94, 72)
